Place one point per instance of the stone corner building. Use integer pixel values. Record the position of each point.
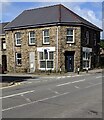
(51, 38)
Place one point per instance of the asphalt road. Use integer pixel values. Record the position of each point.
(57, 97)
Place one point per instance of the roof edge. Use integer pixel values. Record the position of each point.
(52, 24)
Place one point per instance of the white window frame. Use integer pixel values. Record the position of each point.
(31, 37)
(16, 39)
(71, 36)
(3, 44)
(45, 37)
(46, 60)
(86, 59)
(18, 59)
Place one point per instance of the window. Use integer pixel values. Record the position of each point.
(3, 44)
(31, 38)
(18, 59)
(87, 37)
(70, 36)
(45, 36)
(86, 60)
(46, 60)
(18, 38)
(94, 39)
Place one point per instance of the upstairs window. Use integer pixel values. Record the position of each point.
(18, 59)
(70, 36)
(18, 38)
(31, 38)
(87, 37)
(45, 36)
(95, 40)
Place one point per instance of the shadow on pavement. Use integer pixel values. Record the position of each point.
(9, 79)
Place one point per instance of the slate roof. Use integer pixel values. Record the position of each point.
(2, 25)
(51, 15)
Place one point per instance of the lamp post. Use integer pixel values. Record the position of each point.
(45, 53)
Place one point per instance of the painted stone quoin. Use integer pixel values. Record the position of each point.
(51, 38)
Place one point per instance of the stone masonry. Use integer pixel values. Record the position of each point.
(25, 48)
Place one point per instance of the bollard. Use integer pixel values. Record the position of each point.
(60, 70)
(87, 70)
(78, 70)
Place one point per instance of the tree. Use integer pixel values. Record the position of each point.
(102, 44)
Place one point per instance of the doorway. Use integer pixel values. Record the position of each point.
(4, 63)
(69, 61)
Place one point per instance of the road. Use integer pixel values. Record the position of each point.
(57, 97)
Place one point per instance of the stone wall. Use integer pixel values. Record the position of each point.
(76, 46)
(95, 48)
(26, 48)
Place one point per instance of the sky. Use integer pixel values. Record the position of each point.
(91, 11)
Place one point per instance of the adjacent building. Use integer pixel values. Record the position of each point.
(3, 54)
(51, 38)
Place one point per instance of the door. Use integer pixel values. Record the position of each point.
(4, 63)
(69, 58)
(32, 61)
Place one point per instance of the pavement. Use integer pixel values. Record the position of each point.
(13, 79)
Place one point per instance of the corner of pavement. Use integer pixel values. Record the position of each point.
(11, 79)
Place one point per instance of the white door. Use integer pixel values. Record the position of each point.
(32, 61)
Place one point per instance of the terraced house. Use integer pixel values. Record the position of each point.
(51, 38)
(3, 52)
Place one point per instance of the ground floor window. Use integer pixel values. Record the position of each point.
(46, 60)
(18, 59)
(86, 60)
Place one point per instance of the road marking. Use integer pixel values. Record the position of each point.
(76, 86)
(27, 99)
(17, 94)
(93, 85)
(69, 83)
(63, 77)
(22, 105)
(63, 84)
(53, 91)
(78, 81)
(99, 76)
(35, 101)
(58, 77)
(9, 86)
(68, 76)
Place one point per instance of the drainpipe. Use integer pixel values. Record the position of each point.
(57, 49)
(14, 51)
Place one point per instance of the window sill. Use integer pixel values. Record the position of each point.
(18, 45)
(46, 43)
(32, 44)
(19, 65)
(70, 42)
(46, 69)
(3, 50)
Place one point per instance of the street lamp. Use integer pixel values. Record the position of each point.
(45, 53)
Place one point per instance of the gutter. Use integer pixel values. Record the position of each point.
(51, 24)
